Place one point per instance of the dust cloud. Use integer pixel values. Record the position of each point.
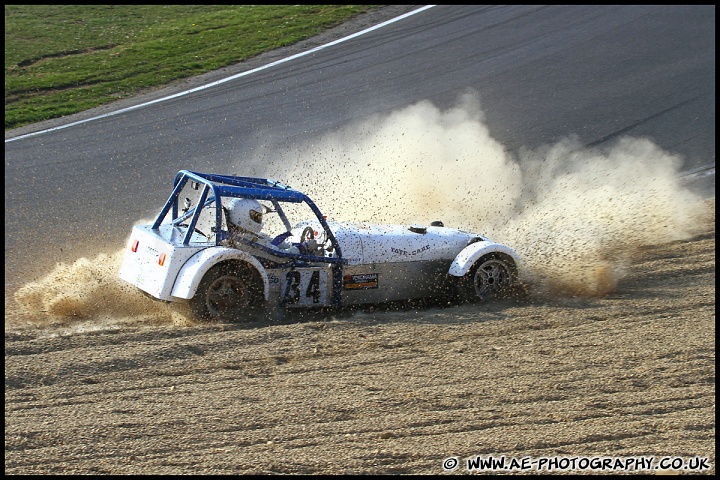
(575, 215)
(89, 294)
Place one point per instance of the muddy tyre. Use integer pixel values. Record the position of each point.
(228, 292)
(491, 276)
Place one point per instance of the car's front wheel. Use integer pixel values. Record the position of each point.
(227, 292)
(492, 275)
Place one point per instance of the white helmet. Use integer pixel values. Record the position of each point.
(246, 213)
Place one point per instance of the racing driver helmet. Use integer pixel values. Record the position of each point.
(246, 213)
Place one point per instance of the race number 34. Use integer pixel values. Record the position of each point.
(305, 287)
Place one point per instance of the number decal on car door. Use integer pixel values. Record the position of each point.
(306, 287)
(313, 289)
(293, 281)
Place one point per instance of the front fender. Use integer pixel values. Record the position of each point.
(190, 275)
(473, 252)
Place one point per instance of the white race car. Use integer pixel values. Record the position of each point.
(226, 245)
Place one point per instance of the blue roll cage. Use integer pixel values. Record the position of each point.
(218, 186)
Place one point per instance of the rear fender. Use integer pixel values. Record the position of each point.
(190, 275)
(472, 253)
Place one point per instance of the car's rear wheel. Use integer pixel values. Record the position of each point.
(491, 276)
(228, 292)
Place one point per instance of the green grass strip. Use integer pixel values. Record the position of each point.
(62, 59)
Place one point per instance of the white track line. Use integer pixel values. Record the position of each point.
(218, 82)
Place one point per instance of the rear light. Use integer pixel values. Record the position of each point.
(161, 259)
(134, 246)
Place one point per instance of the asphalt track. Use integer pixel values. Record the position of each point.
(542, 73)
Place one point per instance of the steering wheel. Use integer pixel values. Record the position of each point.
(307, 240)
(326, 245)
(307, 234)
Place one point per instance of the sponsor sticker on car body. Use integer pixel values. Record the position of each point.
(363, 281)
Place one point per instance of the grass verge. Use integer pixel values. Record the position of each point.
(62, 59)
